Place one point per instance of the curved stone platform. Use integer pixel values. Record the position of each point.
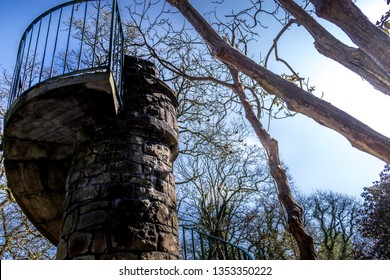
(40, 131)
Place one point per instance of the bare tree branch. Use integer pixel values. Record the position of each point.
(358, 134)
(346, 15)
(354, 59)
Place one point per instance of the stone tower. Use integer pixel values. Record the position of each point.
(120, 200)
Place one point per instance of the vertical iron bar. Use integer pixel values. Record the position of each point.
(193, 244)
(113, 49)
(110, 54)
(82, 35)
(116, 47)
(184, 243)
(27, 58)
(117, 53)
(16, 81)
(210, 257)
(121, 71)
(21, 59)
(55, 43)
(115, 38)
(218, 250)
(67, 44)
(44, 51)
(35, 52)
(226, 257)
(232, 250)
(121, 58)
(202, 245)
(96, 34)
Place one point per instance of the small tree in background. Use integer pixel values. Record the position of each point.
(332, 219)
(375, 217)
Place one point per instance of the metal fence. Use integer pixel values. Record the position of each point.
(70, 39)
(197, 245)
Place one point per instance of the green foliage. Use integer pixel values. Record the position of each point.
(375, 220)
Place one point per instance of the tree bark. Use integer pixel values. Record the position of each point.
(354, 59)
(357, 133)
(346, 15)
(293, 209)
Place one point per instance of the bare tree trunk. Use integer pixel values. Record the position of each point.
(293, 209)
(346, 15)
(354, 59)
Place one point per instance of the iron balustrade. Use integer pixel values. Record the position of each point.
(198, 245)
(73, 38)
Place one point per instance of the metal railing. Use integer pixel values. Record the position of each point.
(197, 245)
(70, 39)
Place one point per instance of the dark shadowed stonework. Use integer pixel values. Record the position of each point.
(120, 192)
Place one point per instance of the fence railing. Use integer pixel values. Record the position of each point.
(197, 245)
(70, 39)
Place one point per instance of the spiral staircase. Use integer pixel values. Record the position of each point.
(69, 75)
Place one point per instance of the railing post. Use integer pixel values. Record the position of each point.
(112, 31)
(217, 248)
(96, 34)
(184, 243)
(67, 44)
(44, 51)
(55, 44)
(82, 35)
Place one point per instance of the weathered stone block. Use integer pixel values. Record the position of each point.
(158, 213)
(141, 180)
(85, 194)
(70, 222)
(62, 250)
(98, 148)
(125, 167)
(100, 179)
(161, 152)
(99, 243)
(161, 186)
(74, 176)
(93, 219)
(156, 195)
(135, 239)
(94, 169)
(111, 156)
(93, 205)
(168, 243)
(79, 243)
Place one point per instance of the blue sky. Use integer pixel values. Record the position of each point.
(317, 157)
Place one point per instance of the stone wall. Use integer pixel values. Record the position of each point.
(120, 192)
